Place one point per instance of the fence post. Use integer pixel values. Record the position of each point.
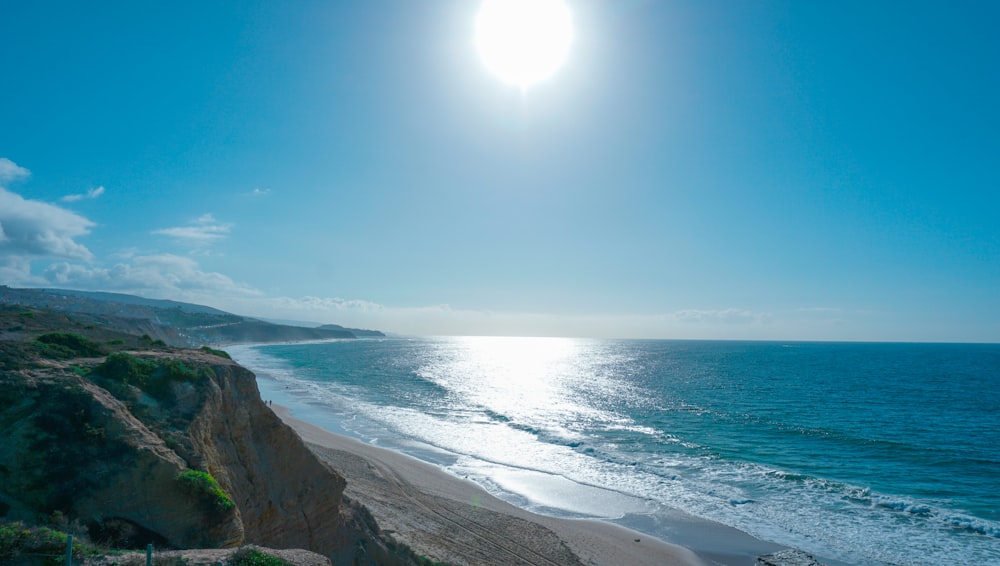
(69, 550)
(149, 554)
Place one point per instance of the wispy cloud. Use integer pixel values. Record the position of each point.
(202, 231)
(10, 171)
(728, 316)
(820, 309)
(258, 192)
(159, 275)
(91, 194)
(330, 304)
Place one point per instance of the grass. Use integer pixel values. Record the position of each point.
(126, 369)
(22, 544)
(214, 352)
(17, 540)
(66, 345)
(152, 377)
(66, 434)
(204, 487)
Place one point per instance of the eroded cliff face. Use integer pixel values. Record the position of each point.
(108, 455)
(286, 495)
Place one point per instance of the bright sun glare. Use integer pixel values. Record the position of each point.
(523, 41)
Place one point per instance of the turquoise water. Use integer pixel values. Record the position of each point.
(860, 453)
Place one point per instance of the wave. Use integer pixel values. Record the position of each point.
(647, 455)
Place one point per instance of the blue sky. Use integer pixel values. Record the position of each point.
(720, 169)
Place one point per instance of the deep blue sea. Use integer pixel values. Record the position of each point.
(861, 453)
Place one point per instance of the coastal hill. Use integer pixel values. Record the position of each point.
(175, 323)
(125, 441)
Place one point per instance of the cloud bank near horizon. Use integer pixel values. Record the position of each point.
(33, 231)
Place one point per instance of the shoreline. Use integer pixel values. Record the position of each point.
(452, 519)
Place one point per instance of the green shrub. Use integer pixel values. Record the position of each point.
(152, 377)
(171, 371)
(16, 355)
(252, 557)
(204, 487)
(175, 370)
(67, 344)
(17, 538)
(214, 352)
(66, 436)
(127, 369)
(171, 442)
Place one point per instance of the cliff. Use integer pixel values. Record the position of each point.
(170, 447)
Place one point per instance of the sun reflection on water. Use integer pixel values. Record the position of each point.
(538, 384)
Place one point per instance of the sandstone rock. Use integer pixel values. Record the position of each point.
(111, 464)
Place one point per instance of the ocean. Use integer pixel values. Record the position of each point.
(861, 453)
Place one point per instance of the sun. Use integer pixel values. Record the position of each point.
(523, 41)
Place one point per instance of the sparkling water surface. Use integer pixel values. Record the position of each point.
(861, 453)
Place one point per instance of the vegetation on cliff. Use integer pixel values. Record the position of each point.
(172, 322)
(123, 441)
(206, 489)
(155, 377)
(18, 541)
(67, 345)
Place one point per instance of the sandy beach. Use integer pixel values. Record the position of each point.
(446, 518)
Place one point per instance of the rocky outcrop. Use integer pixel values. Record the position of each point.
(286, 496)
(73, 449)
(107, 455)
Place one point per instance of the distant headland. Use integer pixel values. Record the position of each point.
(175, 323)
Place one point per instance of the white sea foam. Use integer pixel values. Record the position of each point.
(554, 451)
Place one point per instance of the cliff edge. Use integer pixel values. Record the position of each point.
(170, 447)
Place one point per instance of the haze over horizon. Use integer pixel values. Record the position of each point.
(702, 170)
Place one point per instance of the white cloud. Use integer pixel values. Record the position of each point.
(819, 309)
(202, 231)
(448, 320)
(258, 192)
(10, 171)
(126, 253)
(716, 316)
(162, 275)
(17, 271)
(91, 194)
(325, 304)
(33, 228)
